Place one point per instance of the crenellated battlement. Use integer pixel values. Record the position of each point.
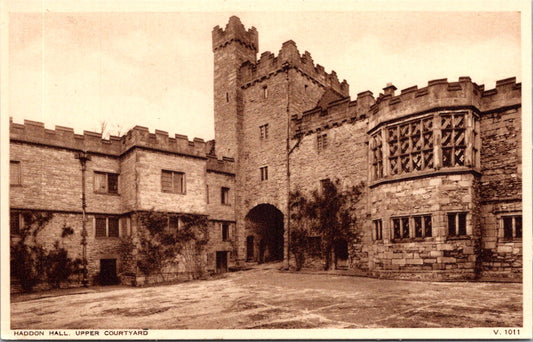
(64, 137)
(441, 93)
(289, 56)
(140, 136)
(335, 114)
(224, 165)
(235, 32)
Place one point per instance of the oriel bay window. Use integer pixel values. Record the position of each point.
(439, 140)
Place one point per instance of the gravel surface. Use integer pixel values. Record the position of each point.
(266, 298)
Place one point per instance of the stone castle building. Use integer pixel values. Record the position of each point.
(441, 168)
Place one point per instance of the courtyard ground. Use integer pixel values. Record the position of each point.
(266, 298)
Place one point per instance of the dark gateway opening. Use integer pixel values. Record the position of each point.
(264, 226)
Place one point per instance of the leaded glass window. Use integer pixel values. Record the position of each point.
(453, 139)
(377, 155)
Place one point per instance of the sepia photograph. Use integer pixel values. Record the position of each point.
(244, 170)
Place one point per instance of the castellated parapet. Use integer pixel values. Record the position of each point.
(288, 57)
(334, 114)
(63, 137)
(441, 93)
(235, 32)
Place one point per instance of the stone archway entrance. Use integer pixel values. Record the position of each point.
(264, 229)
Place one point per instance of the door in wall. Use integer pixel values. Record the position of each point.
(222, 262)
(250, 248)
(108, 272)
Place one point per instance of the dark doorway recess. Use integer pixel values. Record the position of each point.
(250, 248)
(265, 222)
(222, 262)
(108, 272)
(341, 254)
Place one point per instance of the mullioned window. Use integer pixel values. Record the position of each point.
(411, 146)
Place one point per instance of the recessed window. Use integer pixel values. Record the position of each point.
(125, 226)
(265, 92)
(105, 182)
(173, 223)
(263, 131)
(207, 193)
(15, 222)
(378, 229)
(512, 226)
(106, 226)
(422, 226)
(225, 232)
(173, 182)
(224, 196)
(322, 141)
(14, 173)
(453, 139)
(400, 227)
(227, 97)
(264, 173)
(376, 146)
(456, 224)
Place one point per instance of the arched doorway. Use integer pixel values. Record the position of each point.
(264, 227)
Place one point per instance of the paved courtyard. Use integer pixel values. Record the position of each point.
(266, 298)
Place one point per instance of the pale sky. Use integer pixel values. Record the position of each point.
(156, 69)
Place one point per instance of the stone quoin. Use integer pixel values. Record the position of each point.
(441, 167)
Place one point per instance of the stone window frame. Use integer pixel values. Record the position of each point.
(376, 151)
(15, 173)
(457, 225)
(225, 231)
(453, 139)
(98, 234)
(174, 223)
(420, 149)
(321, 141)
(404, 234)
(423, 225)
(377, 226)
(178, 182)
(224, 195)
(109, 182)
(263, 170)
(263, 132)
(513, 217)
(265, 92)
(409, 234)
(125, 227)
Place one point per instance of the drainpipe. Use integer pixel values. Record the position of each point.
(83, 158)
(286, 261)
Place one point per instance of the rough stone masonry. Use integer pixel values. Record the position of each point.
(441, 168)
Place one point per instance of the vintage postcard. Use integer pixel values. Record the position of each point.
(247, 170)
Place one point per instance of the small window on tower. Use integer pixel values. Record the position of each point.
(263, 131)
(265, 92)
(264, 173)
(227, 97)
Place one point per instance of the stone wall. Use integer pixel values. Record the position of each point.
(452, 257)
(149, 165)
(345, 159)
